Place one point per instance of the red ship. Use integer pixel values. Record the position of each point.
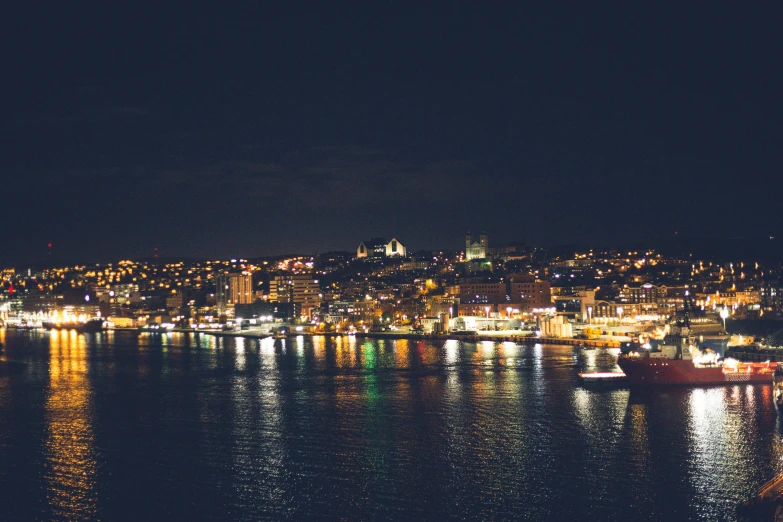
(660, 371)
(680, 362)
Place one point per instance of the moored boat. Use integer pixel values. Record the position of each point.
(661, 371)
(90, 326)
(679, 362)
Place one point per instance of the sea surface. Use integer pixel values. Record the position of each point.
(139, 426)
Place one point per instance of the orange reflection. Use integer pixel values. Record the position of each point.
(429, 353)
(402, 353)
(319, 348)
(345, 349)
(70, 442)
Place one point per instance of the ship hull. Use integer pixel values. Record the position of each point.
(91, 326)
(657, 372)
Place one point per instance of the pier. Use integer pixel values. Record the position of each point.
(462, 336)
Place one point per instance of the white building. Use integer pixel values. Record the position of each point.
(375, 247)
(395, 248)
(378, 247)
(476, 249)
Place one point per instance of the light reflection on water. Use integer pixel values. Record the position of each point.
(70, 446)
(206, 427)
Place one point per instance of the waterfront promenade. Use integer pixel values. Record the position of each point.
(496, 336)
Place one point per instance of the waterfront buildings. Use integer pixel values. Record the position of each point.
(301, 290)
(341, 313)
(519, 292)
(526, 292)
(473, 292)
(233, 289)
(403, 290)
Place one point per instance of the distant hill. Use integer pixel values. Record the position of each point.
(758, 248)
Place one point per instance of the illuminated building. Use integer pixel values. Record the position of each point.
(269, 311)
(527, 292)
(640, 294)
(771, 295)
(352, 311)
(580, 305)
(480, 292)
(375, 247)
(476, 249)
(612, 310)
(176, 301)
(124, 293)
(378, 247)
(395, 248)
(301, 290)
(439, 304)
(521, 292)
(233, 289)
(646, 296)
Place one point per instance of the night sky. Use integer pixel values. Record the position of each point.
(240, 132)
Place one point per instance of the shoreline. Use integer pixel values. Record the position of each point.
(470, 337)
(477, 337)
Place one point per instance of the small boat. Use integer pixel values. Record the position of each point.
(603, 379)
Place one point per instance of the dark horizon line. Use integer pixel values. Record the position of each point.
(683, 241)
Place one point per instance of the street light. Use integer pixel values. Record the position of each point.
(486, 308)
(724, 313)
(620, 313)
(508, 312)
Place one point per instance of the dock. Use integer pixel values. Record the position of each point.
(465, 337)
(478, 336)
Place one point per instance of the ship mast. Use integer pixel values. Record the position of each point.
(686, 310)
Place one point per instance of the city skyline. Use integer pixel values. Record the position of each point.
(725, 249)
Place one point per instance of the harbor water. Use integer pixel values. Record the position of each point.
(147, 426)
